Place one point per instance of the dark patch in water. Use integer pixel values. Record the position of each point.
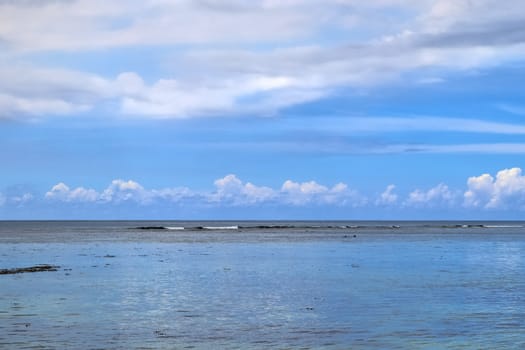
(37, 268)
(150, 228)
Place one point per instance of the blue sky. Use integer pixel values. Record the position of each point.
(205, 109)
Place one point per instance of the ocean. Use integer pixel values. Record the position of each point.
(261, 285)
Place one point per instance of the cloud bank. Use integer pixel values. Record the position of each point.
(236, 57)
(229, 191)
(504, 192)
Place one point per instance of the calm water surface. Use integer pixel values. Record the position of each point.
(303, 286)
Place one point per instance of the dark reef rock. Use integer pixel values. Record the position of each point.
(37, 268)
(150, 228)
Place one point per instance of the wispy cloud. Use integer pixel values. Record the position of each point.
(388, 197)
(514, 109)
(334, 145)
(487, 148)
(96, 24)
(413, 124)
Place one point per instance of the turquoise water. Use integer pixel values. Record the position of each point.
(412, 287)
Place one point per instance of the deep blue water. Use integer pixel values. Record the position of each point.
(407, 285)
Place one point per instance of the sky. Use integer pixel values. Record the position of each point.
(263, 109)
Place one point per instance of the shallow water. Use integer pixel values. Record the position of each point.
(415, 287)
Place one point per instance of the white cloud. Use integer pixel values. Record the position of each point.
(62, 192)
(170, 98)
(232, 189)
(13, 105)
(22, 199)
(229, 190)
(59, 191)
(175, 194)
(388, 197)
(296, 62)
(302, 193)
(30, 92)
(463, 17)
(506, 191)
(121, 191)
(118, 191)
(313, 193)
(16, 200)
(96, 24)
(430, 80)
(439, 196)
(26, 90)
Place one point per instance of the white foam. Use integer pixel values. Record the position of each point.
(177, 228)
(502, 226)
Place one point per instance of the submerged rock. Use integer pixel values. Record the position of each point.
(37, 268)
(150, 228)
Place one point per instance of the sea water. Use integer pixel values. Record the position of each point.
(259, 285)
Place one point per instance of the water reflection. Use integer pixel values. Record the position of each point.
(459, 293)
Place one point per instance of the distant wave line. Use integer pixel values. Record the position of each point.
(319, 227)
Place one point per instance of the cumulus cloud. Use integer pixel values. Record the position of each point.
(121, 191)
(505, 191)
(313, 193)
(439, 196)
(232, 189)
(118, 191)
(229, 190)
(62, 192)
